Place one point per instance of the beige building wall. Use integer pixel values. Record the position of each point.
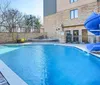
(83, 12)
(50, 25)
(80, 28)
(53, 22)
(65, 4)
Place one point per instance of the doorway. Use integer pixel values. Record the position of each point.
(84, 36)
(75, 35)
(68, 36)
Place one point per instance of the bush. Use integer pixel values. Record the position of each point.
(21, 40)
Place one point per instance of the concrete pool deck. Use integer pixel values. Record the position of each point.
(11, 77)
(6, 73)
(14, 79)
(83, 47)
(3, 81)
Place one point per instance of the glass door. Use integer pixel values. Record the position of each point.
(76, 36)
(68, 36)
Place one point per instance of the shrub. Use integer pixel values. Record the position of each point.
(21, 40)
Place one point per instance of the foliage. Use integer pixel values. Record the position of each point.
(31, 22)
(12, 19)
(37, 24)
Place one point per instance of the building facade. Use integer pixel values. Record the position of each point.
(68, 16)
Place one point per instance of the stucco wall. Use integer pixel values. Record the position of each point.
(9, 37)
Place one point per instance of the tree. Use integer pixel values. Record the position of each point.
(12, 20)
(4, 5)
(37, 23)
(31, 22)
(27, 23)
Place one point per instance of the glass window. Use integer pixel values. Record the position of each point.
(74, 14)
(76, 35)
(75, 0)
(72, 1)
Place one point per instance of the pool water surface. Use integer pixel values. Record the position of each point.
(53, 65)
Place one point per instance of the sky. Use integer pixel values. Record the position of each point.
(34, 7)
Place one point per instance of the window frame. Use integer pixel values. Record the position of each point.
(74, 14)
(72, 1)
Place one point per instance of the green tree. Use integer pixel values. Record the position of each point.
(37, 23)
(31, 22)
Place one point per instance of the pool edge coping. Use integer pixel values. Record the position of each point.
(11, 76)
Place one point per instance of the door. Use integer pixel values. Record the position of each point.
(75, 35)
(84, 35)
(68, 36)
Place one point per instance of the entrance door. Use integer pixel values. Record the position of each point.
(68, 36)
(75, 35)
(84, 35)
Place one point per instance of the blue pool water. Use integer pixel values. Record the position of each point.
(53, 65)
(5, 49)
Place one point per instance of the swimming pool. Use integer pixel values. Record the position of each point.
(53, 65)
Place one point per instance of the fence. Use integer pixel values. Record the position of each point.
(11, 37)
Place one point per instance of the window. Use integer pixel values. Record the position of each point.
(74, 13)
(72, 1)
(75, 0)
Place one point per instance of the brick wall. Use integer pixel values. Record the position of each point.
(65, 4)
(84, 12)
(53, 22)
